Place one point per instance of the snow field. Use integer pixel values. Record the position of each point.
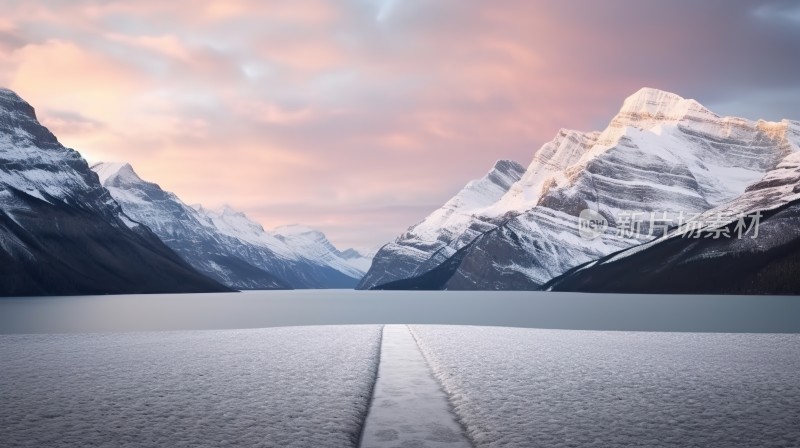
(554, 388)
(311, 387)
(279, 387)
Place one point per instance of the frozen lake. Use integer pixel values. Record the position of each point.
(261, 309)
(325, 370)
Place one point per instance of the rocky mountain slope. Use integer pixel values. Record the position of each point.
(750, 245)
(61, 233)
(661, 158)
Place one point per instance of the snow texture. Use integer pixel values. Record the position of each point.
(555, 388)
(777, 188)
(284, 387)
(660, 154)
(408, 407)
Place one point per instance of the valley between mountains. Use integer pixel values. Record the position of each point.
(664, 167)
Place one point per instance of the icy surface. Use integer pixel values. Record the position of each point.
(285, 387)
(551, 388)
(530, 309)
(408, 407)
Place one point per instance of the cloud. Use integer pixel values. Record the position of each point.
(361, 116)
(385, 9)
(787, 12)
(69, 123)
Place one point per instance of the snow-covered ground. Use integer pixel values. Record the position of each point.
(556, 388)
(311, 387)
(280, 387)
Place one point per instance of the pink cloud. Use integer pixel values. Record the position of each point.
(353, 118)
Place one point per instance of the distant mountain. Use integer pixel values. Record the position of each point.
(61, 233)
(750, 245)
(314, 246)
(306, 265)
(439, 236)
(227, 245)
(661, 156)
(183, 229)
(357, 260)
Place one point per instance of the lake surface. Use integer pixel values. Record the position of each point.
(257, 309)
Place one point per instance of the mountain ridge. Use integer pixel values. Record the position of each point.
(659, 153)
(61, 232)
(225, 243)
(456, 215)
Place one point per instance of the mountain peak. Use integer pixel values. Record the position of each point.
(227, 210)
(507, 165)
(109, 171)
(654, 94)
(505, 173)
(11, 102)
(349, 254)
(653, 103)
(239, 219)
(294, 229)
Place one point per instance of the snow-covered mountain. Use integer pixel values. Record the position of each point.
(310, 260)
(437, 238)
(314, 245)
(182, 228)
(661, 156)
(62, 233)
(226, 244)
(750, 245)
(357, 259)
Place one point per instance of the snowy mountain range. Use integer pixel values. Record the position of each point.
(437, 238)
(62, 233)
(665, 167)
(661, 158)
(227, 245)
(750, 245)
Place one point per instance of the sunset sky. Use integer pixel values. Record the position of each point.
(360, 117)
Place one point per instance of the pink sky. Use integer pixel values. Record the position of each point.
(360, 117)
